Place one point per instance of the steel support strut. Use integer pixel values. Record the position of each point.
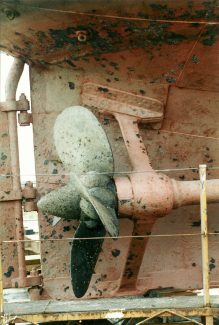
(148, 195)
(10, 92)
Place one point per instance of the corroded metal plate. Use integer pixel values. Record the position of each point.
(7, 219)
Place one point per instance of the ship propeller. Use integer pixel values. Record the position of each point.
(90, 195)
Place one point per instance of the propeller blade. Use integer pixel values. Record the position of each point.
(81, 142)
(56, 220)
(84, 256)
(63, 202)
(107, 215)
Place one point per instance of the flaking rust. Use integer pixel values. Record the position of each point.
(133, 53)
(91, 34)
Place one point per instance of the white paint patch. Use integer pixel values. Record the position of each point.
(115, 314)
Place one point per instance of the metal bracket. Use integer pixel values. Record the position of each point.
(30, 281)
(29, 191)
(25, 118)
(15, 105)
(111, 101)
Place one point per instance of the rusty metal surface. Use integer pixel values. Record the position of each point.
(166, 60)
(110, 101)
(57, 40)
(7, 224)
(153, 9)
(166, 260)
(6, 182)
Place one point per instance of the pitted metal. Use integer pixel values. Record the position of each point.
(63, 202)
(138, 56)
(81, 142)
(83, 147)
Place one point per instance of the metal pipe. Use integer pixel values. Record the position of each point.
(10, 92)
(188, 192)
(13, 79)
